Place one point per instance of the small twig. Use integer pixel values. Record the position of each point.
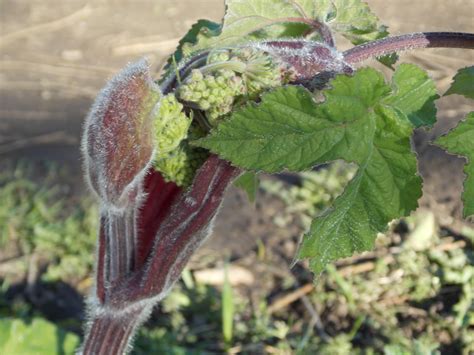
(452, 246)
(315, 319)
(29, 115)
(32, 277)
(354, 269)
(362, 267)
(289, 298)
(13, 266)
(394, 301)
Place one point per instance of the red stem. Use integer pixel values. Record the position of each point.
(110, 334)
(183, 230)
(125, 296)
(407, 42)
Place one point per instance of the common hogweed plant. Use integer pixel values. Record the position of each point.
(265, 91)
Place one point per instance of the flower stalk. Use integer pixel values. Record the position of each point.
(149, 228)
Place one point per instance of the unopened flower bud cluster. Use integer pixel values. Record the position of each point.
(213, 93)
(175, 159)
(228, 76)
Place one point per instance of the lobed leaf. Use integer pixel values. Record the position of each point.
(351, 18)
(288, 130)
(247, 20)
(248, 182)
(460, 140)
(414, 93)
(362, 120)
(385, 187)
(463, 83)
(198, 32)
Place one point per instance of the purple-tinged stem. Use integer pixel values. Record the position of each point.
(121, 238)
(125, 292)
(408, 42)
(173, 80)
(199, 59)
(183, 230)
(110, 334)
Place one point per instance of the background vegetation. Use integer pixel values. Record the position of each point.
(412, 295)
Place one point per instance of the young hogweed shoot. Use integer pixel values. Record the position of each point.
(238, 97)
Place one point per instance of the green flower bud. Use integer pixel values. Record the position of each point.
(262, 71)
(196, 75)
(170, 125)
(180, 165)
(204, 104)
(229, 75)
(218, 56)
(213, 93)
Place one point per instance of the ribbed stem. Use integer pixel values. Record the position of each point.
(123, 296)
(183, 230)
(111, 334)
(408, 42)
(121, 240)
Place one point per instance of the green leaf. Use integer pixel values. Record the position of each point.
(414, 94)
(389, 60)
(460, 141)
(363, 120)
(288, 130)
(38, 337)
(385, 187)
(463, 83)
(351, 18)
(247, 20)
(249, 183)
(199, 31)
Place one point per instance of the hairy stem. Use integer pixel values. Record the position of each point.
(111, 334)
(180, 235)
(121, 238)
(199, 59)
(126, 293)
(408, 42)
